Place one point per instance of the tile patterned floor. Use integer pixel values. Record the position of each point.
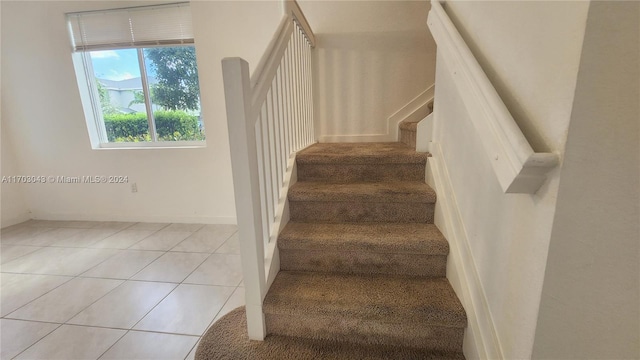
(114, 290)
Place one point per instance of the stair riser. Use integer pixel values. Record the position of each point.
(341, 212)
(360, 262)
(361, 172)
(338, 328)
(408, 137)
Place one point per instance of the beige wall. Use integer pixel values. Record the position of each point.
(590, 301)
(42, 107)
(530, 51)
(372, 58)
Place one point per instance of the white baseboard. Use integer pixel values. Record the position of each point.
(481, 340)
(414, 110)
(137, 218)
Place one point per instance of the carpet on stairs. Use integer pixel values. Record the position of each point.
(227, 339)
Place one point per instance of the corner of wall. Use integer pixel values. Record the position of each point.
(414, 110)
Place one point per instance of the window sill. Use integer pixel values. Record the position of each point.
(152, 145)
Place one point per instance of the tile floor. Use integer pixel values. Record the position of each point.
(114, 290)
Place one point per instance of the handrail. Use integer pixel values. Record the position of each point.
(270, 118)
(264, 75)
(294, 10)
(519, 169)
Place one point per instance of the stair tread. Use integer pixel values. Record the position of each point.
(411, 238)
(360, 153)
(384, 298)
(399, 191)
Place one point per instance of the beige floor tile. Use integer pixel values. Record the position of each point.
(17, 290)
(231, 246)
(11, 252)
(148, 226)
(218, 269)
(76, 224)
(162, 240)
(43, 223)
(124, 306)
(123, 239)
(189, 309)
(85, 238)
(47, 238)
(171, 267)
(73, 342)
(184, 227)
(58, 261)
(123, 265)
(62, 303)
(39, 261)
(10, 229)
(117, 225)
(17, 335)
(146, 345)
(236, 300)
(206, 240)
(16, 237)
(220, 229)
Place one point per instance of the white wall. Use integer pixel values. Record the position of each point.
(371, 59)
(531, 51)
(590, 299)
(14, 208)
(179, 185)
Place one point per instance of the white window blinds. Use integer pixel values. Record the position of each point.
(143, 26)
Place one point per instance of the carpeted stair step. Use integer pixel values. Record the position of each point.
(228, 339)
(406, 202)
(415, 312)
(379, 248)
(360, 162)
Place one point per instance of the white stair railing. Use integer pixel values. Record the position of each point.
(270, 118)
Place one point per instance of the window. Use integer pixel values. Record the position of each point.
(138, 77)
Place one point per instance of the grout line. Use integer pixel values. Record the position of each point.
(155, 306)
(112, 345)
(123, 281)
(224, 242)
(42, 338)
(222, 307)
(29, 302)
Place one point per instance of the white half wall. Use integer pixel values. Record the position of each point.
(372, 59)
(505, 235)
(530, 51)
(41, 105)
(590, 305)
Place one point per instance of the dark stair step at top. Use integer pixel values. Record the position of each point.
(360, 153)
(384, 298)
(398, 192)
(409, 238)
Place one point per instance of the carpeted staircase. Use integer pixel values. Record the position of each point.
(361, 261)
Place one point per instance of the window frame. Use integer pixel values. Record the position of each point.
(89, 96)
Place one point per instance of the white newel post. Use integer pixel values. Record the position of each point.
(242, 139)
